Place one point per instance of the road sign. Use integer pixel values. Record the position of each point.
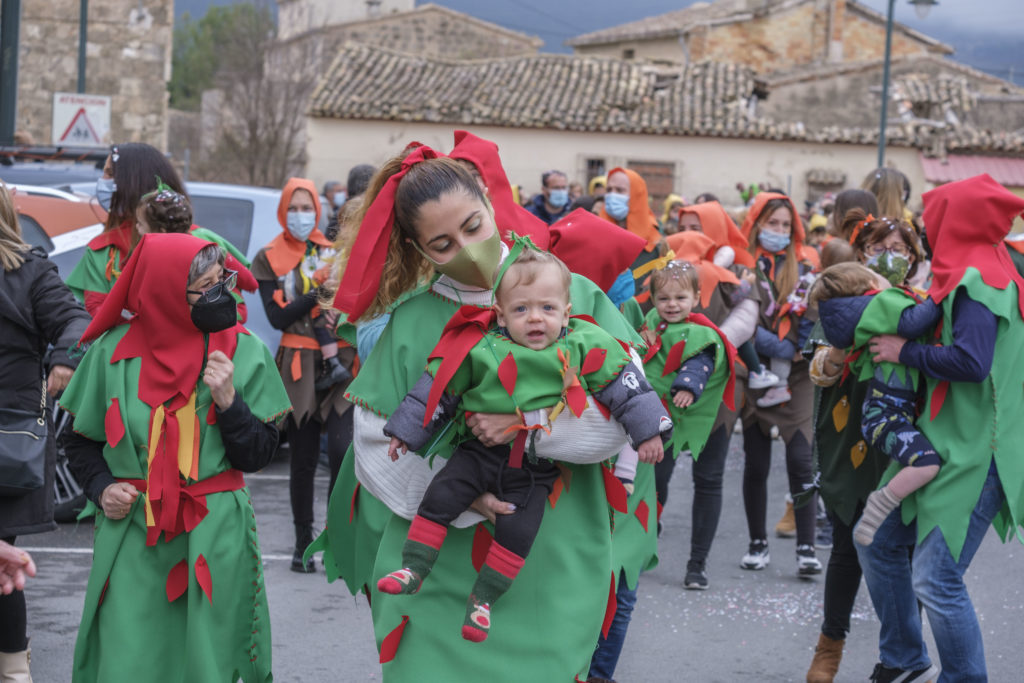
(81, 120)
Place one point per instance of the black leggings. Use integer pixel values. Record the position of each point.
(757, 447)
(13, 625)
(304, 443)
(474, 469)
(708, 471)
(842, 578)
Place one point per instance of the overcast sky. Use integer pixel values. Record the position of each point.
(985, 33)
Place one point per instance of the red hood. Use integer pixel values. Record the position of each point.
(509, 216)
(641, 220)
(152, 286)
(966, 223)
(593, 247)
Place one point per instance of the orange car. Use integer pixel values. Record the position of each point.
(60, 222)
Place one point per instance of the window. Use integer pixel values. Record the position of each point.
(229, 218)
(660, 178)
(595, 167)
(628, 53)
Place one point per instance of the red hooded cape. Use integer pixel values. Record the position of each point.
(171, 351)
(640, 221)
(284, 251)
(966, 223)
(508, 215)
(802, 251)
(593, 247)
(719, 226)
(699, 249)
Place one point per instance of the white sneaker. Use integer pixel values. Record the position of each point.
(807, 563)
(762, 380)
(757, 556)
(774, 397)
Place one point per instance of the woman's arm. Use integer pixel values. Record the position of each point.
(919, 319)
(249, 443)
(283, 317)
(86, 462)
(969, 357)
(60, 319)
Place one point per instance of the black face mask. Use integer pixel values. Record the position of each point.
(215, 310)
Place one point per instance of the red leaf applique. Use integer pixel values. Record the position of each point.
(938, 397)
(113, 425)
(507, 373)
(389, 646)
(609, 612)
(352, 505)
(594, 361)
(204, 578)
(643, 513)
(177, 581)
(481, 545)
(614, 491)
(675, 357)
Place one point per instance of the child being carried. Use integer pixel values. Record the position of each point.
(855, 304)
(530, 356)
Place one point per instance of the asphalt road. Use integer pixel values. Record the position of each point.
(748, 626)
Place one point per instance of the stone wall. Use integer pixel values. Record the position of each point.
(128, 57)
(429, 31)
(295, 17)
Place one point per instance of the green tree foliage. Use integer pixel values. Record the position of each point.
(205, 52)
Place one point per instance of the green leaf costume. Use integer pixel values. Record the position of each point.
(692, 424)
(975, 417)
(554, 610)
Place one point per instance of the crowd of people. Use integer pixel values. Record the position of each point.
(504, 387)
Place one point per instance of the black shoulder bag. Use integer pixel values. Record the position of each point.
(23, 437)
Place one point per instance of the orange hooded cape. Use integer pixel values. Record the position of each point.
(641, 221)
(719, 226)
(802, 251)
(284, 251)
(699, 249)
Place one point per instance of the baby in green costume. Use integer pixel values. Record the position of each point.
(529, 354)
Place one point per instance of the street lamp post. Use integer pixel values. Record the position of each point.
(921, 7)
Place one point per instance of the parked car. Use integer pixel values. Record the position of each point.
(50, 173)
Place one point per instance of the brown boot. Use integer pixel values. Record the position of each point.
(825, 664)
(786, 528)
(14, 667)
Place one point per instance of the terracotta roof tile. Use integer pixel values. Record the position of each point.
(595, 94)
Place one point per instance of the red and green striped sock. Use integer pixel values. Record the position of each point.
(418, 556)
(500, 568)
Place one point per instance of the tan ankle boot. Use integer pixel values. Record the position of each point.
(14, 667)
(786, 528)
(825, 664)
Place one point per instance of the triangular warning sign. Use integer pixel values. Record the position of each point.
(80, 131)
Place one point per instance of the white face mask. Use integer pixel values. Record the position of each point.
(301, 224)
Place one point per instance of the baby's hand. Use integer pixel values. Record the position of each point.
(396, 443)
(651, 451)
(682, 399)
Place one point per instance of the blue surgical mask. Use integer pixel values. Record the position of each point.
(772, 241)
(105, 189)
(339, 199)
(617, 205)
(558, 198)
(301, 224)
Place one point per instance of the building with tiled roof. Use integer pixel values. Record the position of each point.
(766, 35)
(698, 127)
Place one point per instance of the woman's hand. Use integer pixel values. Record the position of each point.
(651, 451)
(15, 565)
(886, 347)
(219, 375)
(117, 499)
(492, 429)
(58, 380)
(488, 505)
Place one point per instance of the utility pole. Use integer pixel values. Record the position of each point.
(83, 22)
(10, 28)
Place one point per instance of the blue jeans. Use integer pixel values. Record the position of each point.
(606, 656)
(937, 581)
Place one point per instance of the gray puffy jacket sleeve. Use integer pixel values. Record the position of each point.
(635, 405)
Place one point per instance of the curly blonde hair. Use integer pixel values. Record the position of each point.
(404, 266)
